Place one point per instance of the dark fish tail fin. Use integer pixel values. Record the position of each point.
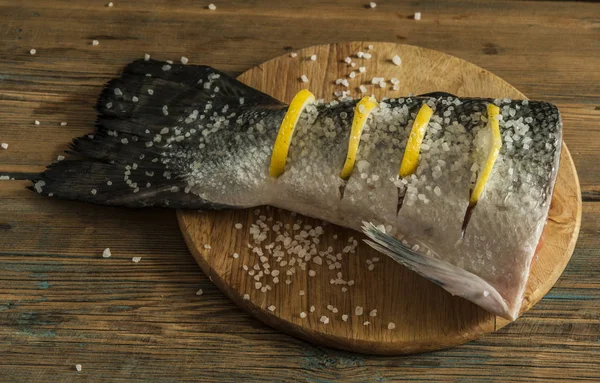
(146, 117)
(453, 279)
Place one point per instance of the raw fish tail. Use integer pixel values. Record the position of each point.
(124, 162)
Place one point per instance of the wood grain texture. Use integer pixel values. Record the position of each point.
(425, 317)
(62, 304)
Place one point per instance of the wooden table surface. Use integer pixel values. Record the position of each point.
(62, 304)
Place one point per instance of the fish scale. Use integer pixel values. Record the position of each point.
(192, 137)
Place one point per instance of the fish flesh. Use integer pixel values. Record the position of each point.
(191, 137)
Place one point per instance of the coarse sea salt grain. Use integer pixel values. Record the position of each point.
(303, 315)
(397, 60)
(36, 122)
(358, 310)
(293, 54)
(246, 297)
(236, 255)
(417, 15)
(32, 51)
(303, 78)
(95, 42)
(146, 57)
(391, 326)
(63, 123)
(106, 253)
(184, 60)
(372, 4)
(199, 292)
(136, 259)
(212, 7)
(345, 317)
(313, 58)
(207, 246)
(78, 367)
(4, 145)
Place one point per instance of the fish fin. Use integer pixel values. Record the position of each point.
(124, 163)
(181, 85)
(98, 182)
(453, 279)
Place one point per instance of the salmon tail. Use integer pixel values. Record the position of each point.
(453, 279)
(147, 118)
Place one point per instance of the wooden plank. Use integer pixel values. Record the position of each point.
(548, 50)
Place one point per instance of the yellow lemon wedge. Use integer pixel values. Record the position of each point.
(286, 131)
(361, 113)
(410, 161)
(493, 112)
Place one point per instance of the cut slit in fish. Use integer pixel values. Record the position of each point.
(401, 195)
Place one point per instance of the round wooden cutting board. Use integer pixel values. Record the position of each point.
(413, 314)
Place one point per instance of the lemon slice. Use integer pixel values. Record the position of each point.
(492, 111)
(361, 113)
(410, 161)
(286, 130)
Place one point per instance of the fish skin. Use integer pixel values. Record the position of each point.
(171, 149)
